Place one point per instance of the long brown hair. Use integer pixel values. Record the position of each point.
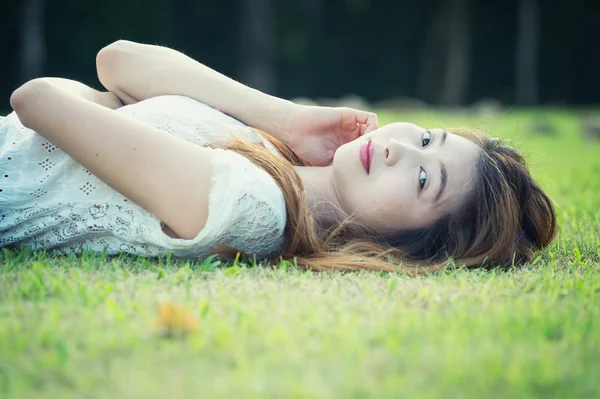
(506, 219)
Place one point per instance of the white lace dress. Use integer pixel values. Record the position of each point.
(48, 200)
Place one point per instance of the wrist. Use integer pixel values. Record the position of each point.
(274, 116)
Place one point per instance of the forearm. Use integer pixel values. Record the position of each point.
(136, 72)
(134, 158)
(106, 99)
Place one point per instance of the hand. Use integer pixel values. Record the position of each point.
(317, 132)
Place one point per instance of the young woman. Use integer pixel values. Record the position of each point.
(176, 157)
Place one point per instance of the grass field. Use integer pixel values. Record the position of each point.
(90, 327)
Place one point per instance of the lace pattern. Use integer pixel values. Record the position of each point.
(47, 200)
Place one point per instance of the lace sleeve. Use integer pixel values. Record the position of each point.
(246, 211)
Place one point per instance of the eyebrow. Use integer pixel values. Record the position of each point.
(444, 172)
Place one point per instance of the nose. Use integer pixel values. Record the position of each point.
(396, 150)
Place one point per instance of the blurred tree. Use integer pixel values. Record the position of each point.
(445, 61)
(456, 76)
(168, 22)
(442, 51)
(258, 44)
(527, 53)
(32, 43)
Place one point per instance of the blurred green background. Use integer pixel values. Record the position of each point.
(442, 52)
(73, 327)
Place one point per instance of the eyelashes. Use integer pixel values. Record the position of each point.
(426, 139)
(422, 178)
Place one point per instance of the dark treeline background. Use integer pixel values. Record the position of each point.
(444, 52)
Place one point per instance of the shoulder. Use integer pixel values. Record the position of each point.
(246, 178)
(246, 208)
(246, 211)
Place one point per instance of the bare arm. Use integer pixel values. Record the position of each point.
(135, 72)
(106, 99)
(167, 176)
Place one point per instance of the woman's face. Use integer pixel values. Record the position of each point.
(403, 176)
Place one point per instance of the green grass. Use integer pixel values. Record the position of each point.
(84, 327)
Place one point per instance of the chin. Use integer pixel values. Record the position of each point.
(345, 169)
(347, 154)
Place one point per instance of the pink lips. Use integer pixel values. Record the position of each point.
(366, 155)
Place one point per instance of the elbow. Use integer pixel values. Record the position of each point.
(25, 94)
(109, 59)
(26, 98)
(107, 55)
(190, 229)
(18, 100)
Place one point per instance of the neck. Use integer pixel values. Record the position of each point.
(321, 193)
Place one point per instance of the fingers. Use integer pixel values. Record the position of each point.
(368, 121)
(372, 126)
(364, 129)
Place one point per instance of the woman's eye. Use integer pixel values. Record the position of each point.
(422, 177)
(426, 139)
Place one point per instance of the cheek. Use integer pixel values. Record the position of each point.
(394, 188)
(387, 204)
(393, 204)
